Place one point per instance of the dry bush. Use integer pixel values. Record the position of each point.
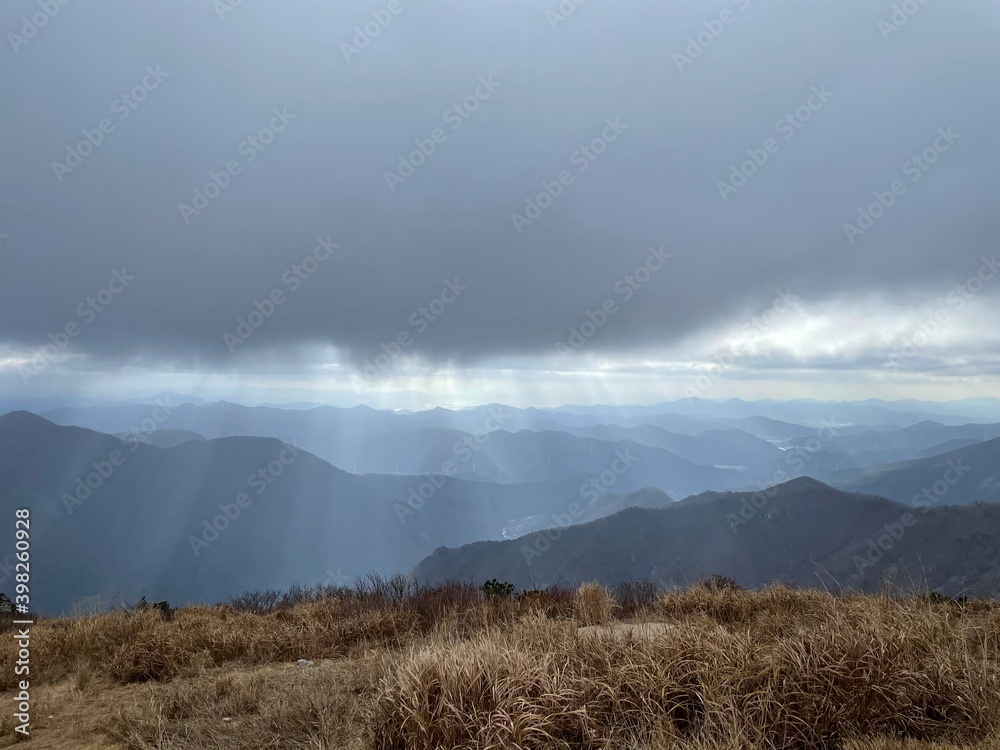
(479, 693)
(720, 583)
(775, 606)
(7, 621)
(262, 602)
(556, 602)
(635, 598)
(536, 685)
(137, 646)
(774, 669)
(285, 706)
(84, 675)
(593, 604)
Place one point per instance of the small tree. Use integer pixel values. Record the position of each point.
(494, 589)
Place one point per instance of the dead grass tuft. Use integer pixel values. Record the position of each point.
(593, 604)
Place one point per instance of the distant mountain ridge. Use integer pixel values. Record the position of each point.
(520, 448)
(802, 532)
(966, 475)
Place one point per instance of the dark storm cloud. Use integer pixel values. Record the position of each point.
(340, 126)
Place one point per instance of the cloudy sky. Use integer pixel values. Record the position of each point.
(509, 200)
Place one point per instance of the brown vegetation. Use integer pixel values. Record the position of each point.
(399, 666)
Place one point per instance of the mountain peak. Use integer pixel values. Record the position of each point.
(927, 424)
(803, 483)
(23, 419)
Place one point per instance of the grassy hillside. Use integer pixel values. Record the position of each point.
(397, 666)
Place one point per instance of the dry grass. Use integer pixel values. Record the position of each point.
(419, 668)
(593, 604)
(277, 706)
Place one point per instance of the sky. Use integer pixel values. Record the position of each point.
(523, 201)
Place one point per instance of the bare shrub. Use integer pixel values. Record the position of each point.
(635, 598)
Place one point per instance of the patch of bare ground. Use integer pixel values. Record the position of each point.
(617, 630)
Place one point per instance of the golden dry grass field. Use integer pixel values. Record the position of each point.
(396, 667)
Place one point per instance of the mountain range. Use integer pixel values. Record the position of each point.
(197, 501)
(209, 518)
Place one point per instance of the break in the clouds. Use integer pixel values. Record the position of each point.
(307, 186)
